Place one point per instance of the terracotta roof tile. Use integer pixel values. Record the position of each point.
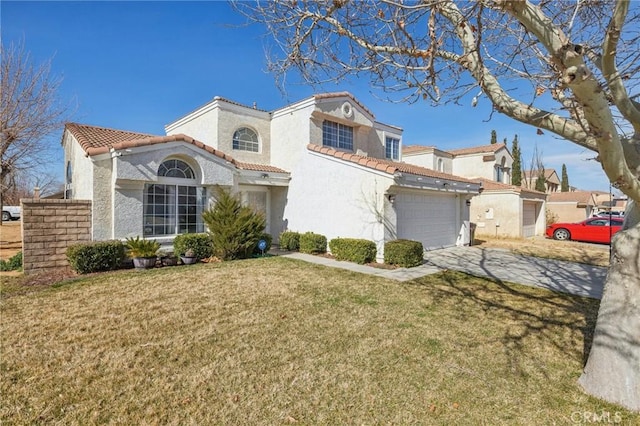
(414, 149)
(490, 185)
(387, 166)
(478, 149)
(100, 140)
(574, 196)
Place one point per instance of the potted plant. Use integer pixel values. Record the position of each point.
(144, 252)
(168, 258)
(188, 257)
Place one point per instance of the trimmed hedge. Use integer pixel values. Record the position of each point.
(201, 244)
(99, 256)
(406, 253)
(268, 239)
(353, 250)
(290, 240)
(313, 243)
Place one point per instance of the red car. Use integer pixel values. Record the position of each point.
(593, 230)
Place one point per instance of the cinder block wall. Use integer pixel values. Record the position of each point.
(48, 228)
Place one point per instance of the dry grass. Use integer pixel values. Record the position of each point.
(277, 341)
(591, 254)
(10, 239)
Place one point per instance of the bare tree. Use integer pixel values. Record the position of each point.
(29, 113)
(567, 68)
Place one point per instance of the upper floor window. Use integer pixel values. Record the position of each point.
(500, 171)
(392, 148)
(337, 135)
(176, 169)
(245, 139)
(440, 165)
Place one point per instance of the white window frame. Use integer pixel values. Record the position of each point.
(395, 147)
(244, 144)
(340, 131)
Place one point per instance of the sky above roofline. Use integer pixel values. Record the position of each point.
(138, 66)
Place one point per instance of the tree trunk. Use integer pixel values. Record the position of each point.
(612, 371)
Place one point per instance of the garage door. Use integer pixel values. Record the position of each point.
(529, 220)
(430, 219)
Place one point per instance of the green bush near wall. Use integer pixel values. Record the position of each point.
(14, 263)
(200, 243)
(313, 243)
(290, 241)
(353, 250)
(98, 256)
(405, 253)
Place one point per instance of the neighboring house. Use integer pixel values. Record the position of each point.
(500, 209)
(551, 180)
(571, 207)
(323, 164)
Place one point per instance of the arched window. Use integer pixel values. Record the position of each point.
(245, 139)
(176, 169)
(173, 206)
(69, 172)
(440, 165)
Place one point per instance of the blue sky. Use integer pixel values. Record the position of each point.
(140, 65)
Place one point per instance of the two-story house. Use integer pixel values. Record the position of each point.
(323, 164)
(500, 209)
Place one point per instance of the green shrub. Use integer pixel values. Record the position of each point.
(290, 241)
(137, 247)
(313, 243)
(235, 229)
(353, 249)
(14, 263)
(99, 256)
(404, 253)
(201, 244)
(268, 239)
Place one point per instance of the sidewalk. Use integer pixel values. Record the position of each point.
(503, 265)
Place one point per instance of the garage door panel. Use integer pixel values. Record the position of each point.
(430, 219)
(528, 220)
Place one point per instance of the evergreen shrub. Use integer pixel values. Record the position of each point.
(353, 250)
(405, 253)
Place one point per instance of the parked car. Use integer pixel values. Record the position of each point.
(593, 230)
(11, 213)
(612, 213)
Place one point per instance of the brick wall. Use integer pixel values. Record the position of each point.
(48, 228)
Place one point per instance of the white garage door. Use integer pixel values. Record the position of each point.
(528, 219)
(430, 219)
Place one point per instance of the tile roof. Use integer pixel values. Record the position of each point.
(413, 149)
(478, 149)
(100, 140)
(386, 166)
(574, 196)
(490, 185)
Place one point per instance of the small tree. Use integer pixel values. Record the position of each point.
(516, 168)
(564, 185)
(494, 137)
(541, 181)
(235, 229)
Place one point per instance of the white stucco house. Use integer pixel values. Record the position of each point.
(500, 209)
(323, 164)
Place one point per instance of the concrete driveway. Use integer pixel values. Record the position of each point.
(499, 264)
(557, 275)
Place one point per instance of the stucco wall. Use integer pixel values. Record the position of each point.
(497, 214)
(201, 125)
(473, 165)
(81, 171)
(290, 133)
(230, 121)
(48, 228)
(568, 211)
(336, 200)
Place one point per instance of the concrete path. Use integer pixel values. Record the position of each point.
(499, 264)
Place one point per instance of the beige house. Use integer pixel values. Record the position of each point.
(500, 209)
(551, 180)
(573, 206)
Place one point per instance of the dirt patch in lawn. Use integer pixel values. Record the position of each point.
(10, 239)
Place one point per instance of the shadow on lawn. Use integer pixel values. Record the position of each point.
(552, 311)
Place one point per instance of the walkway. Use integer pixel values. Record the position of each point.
(499, 264)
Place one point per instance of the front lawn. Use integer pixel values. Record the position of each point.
(277, 341)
